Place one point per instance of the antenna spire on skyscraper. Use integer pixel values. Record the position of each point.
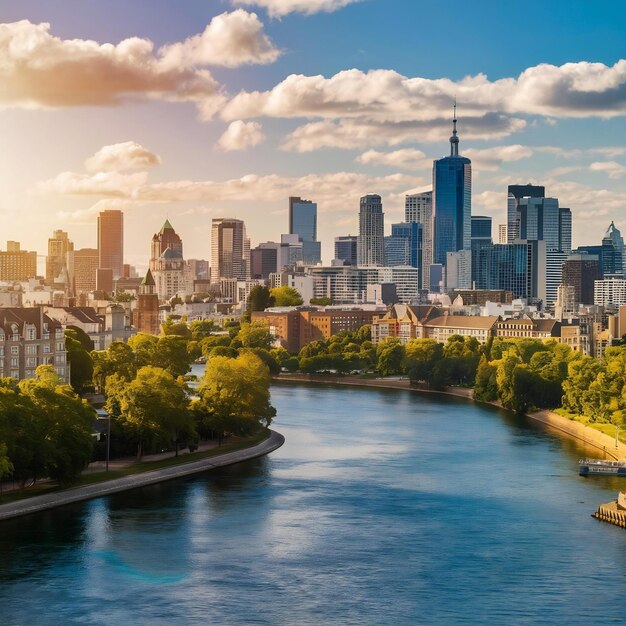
(454, 140)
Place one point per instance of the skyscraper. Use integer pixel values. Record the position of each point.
(452, 201)
(303, 222)
(370, 242)
(56, 261)
(230, 250)
(345, 249)
(111, 242)
(612, 252)
(418, 207)
(515, 194)
(481, 245)
(170, 274)
(580, 271)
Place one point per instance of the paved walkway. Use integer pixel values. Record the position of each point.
(77, 494)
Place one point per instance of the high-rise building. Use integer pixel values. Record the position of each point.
(515, 194)
(612, 252)
(303, 222)
(370, 242)
(111, 242)
(82, 267)
(459, 270)
(345, 249)
(418, 207)
(502, 237)
(452, 201)
(481, 246)
(230, 250)
(580, 271)
(56, 261)
(17, 264)
(565, 230)
(263, 262)
(171, 275)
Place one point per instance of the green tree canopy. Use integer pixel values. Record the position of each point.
(286, 296)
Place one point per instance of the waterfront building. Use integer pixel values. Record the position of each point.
(345, 249)
(418, 207)
(303, 223)
(230, 250)
(528, 329)
(403, 322)
(443, 327)
(296, 327)
(515, 194)
(56, 261)
(17, 264)
(452, 201)
(111, 242)
(580, 271)
(370, 241)
(30, 338)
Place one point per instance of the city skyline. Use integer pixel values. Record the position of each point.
(367, 112)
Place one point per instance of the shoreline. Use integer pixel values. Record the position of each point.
(563, 425)
(36, 504)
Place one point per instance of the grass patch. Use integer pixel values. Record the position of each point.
(139, 468)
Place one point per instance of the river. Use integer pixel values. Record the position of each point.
(382, 507)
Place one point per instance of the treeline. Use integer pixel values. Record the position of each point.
(45, 429)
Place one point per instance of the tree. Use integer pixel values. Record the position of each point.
(144, 346)
(390, 354)
(81, 363)
(200, 329)
(259, 299)
(152, 405)
(235, 394)
(6, 467)
(486, 386)
(421, 357)
(119, 359)
(324, 301)
(80, 335)
(286, 296)
(170, 327)
(171, 354)
(255, 335)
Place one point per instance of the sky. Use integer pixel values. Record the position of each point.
(196, 109)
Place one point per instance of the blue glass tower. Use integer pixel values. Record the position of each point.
(452, 201)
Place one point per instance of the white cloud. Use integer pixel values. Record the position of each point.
(406, 159)
(490, 159)
(108, 184)
(38, 69)
(120, 157)
(229, 40)
(362, 133)
(611, 168)
(241, 135)
(86, 216)
(277, 8)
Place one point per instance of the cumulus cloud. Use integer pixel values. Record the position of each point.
(241, 135)
(612, 169)
(86, 216)
(230, 40)
(491, 159)
(38, 69)
(277, 8)
(107, 184)
(120, 157)
(362, 133)
(408, 159)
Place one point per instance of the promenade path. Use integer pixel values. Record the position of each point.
(87, 492)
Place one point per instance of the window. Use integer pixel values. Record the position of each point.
(31, 349)
(31, 334)
(46, 348)
(60, 346)
(15, 349)
(14, 362)
(31, 361)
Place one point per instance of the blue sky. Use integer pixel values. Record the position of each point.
(546, 103)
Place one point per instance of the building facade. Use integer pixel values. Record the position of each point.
(345, 249)
(418, 208)
(230, 250)
(370, 242)
(56, 261)
(17, 264)
(111, 242)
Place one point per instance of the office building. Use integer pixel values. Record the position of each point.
(111, 242)
(370, 242)
(171, 275)
(418, 208)
(610, 292)
(580, 271)
(502, 236)
(452, 201)
(303, 222)
(345, 249)
(404, 246)
(612, 252)
(17, 264)
(459, 270)
(263, 262)
(481, 245)
(515, 194)
(146, 315)
(82, 267)
(56, 260)
(230, 250)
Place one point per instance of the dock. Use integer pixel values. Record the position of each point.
(611, 513)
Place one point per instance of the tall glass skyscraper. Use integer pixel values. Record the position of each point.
(418, 207)
(515, 194)
(303, 222)
(370, 242)
(452, 201)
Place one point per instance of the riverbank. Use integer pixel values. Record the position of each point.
(562, 425)
(55, 499)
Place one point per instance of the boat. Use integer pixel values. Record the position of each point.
(600, 467)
